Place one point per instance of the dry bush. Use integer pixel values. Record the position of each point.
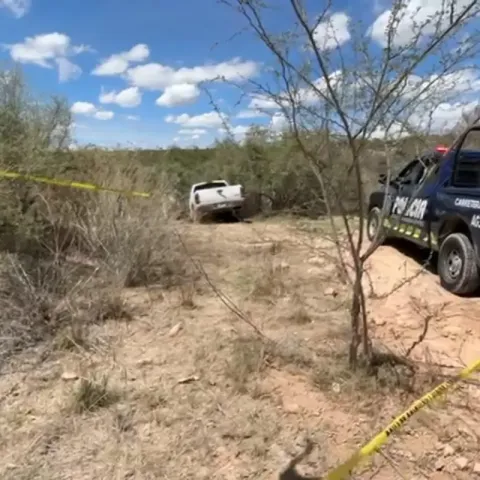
(71, 252)
(108, 305)
(249, 356)
(72, 337)
(31, 290)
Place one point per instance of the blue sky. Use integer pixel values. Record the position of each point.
(131, 70)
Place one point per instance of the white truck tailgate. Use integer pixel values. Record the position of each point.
(219, 195)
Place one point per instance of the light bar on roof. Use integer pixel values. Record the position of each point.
(441, 149)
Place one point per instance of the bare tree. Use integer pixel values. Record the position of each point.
(353, 84)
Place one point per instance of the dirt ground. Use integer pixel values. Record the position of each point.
(191, 391)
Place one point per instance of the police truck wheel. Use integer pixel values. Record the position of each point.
(373, 224)
(457, 266)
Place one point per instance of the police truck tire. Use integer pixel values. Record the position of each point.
(373, 225)
(457, 265)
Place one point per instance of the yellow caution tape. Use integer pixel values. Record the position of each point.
(344, 470)
(69, 183)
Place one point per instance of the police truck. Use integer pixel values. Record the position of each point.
(434, 202)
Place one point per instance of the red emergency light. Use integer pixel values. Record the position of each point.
(441, 149)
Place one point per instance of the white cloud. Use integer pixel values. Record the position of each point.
(440, 107)
(83, 108)
(119, 62)
(40, 49)
(90, 110)
(279, 122)
(443, 117)
(104, 115)
(439, 119)
(48, 50)
(449, 88)
(417, 18)
(395, 131)
(262, 102)
(238, 132)
(306, 96)
(133, 118)
(128, 98)
(189, 141)
(250, 113)
(333, 32)
(67, 70)
(19, 8)
(193, 131)
(205, 120)
(154, 76)
(137, 53)
(78, 125)
(456, 83)
(180, 94)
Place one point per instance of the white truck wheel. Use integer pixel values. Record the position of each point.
(195, 217)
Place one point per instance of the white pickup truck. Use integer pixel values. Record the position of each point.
(215, 197)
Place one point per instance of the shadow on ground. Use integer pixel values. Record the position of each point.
(224, 217)
(423, 257)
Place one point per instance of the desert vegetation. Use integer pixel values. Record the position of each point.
(134, 344)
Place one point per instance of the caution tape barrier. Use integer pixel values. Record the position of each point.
(343, 471)
(69, 183)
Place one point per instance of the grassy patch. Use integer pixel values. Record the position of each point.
(264, 281)
(251, 356)
(93, 393)
(110, 306)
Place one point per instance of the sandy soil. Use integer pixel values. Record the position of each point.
(194, 393)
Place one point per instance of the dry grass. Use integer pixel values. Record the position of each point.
(298, 312)
(187, 295)
(250, 356)
(73, 253)
(109, 305)
(264, 278)
(73, 337)
(93, 393)
(210, 399)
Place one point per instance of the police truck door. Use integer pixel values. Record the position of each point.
(409, 208)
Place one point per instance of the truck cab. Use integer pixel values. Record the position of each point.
(434, 202)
